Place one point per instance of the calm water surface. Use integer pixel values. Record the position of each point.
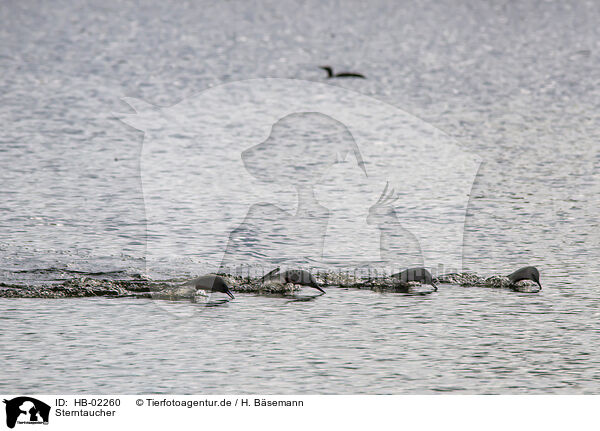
(515, 84)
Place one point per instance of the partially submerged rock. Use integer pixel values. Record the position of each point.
(462, 279)
(270, 287)
(496, 282)
(177, 290)
(379, 284)
(502, 282)
(76, 287)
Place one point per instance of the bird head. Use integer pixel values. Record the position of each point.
(220, 285)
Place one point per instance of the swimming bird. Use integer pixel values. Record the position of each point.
(212, 283)
(416, 274)
(330, 73)
(526, 273)
(295, 276)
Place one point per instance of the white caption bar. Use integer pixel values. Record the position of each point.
(159, 412)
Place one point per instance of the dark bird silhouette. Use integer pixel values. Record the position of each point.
(296, 276)
(526, 273)
(416, 274)
(211, 283)
(330, 73)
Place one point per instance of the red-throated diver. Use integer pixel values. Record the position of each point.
(330, 73)
(295, 276)
(211, 283)
(526, 273)
(416, 274)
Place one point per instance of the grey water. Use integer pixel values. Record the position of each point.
(514, 84)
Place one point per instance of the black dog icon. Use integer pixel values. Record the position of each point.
(32, 407)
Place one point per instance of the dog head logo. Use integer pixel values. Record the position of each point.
(270, 172)
(26, 410)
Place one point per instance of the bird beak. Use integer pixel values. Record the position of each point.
(539, 285)
(230, 294)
